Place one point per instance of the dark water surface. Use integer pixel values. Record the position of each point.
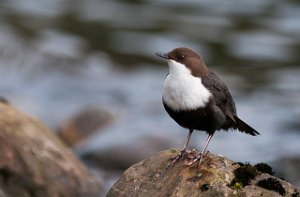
(60, 56)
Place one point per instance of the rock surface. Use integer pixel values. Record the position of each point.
(84, 124)
(217, 176)
(34, 162)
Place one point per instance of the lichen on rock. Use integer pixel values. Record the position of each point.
(153, 177)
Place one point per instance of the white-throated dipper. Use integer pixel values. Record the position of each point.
(197, 99)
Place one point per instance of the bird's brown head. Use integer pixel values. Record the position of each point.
(187, 57)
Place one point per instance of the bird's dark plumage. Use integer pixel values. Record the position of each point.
(197, 99)
(226, 104)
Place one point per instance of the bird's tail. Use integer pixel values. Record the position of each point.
(244, 127)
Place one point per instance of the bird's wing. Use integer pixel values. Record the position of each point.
(221, 94)
(225, 102)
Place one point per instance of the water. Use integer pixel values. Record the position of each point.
(58, 57)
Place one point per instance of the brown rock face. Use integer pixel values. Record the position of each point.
(84, 124)
(217, 176)
(34, 162)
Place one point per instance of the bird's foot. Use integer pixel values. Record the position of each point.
(175, 159)
(199, 158)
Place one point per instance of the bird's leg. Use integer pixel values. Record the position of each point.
(183, 151)
(200, 157)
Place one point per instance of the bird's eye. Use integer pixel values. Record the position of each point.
(180, 57)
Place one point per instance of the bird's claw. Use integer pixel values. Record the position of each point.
(176, 158)
(193, 155)
(199, 158)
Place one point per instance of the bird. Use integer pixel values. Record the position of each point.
(197, 99)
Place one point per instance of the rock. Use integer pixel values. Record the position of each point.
(84, 124)
(217, 176)
(34, 162)
(111, 156)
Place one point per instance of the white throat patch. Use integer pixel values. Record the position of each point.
(183, 91)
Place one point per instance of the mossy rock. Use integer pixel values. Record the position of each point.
(215, 177)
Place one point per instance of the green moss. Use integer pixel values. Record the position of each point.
(272, 184)
(264, 168)
(175, 151)
(243, 176)
(237, 185)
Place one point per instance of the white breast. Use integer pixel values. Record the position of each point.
(183, 91)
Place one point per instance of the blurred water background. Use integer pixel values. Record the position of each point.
(58, 57)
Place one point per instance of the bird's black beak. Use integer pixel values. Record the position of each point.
(162, 55)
